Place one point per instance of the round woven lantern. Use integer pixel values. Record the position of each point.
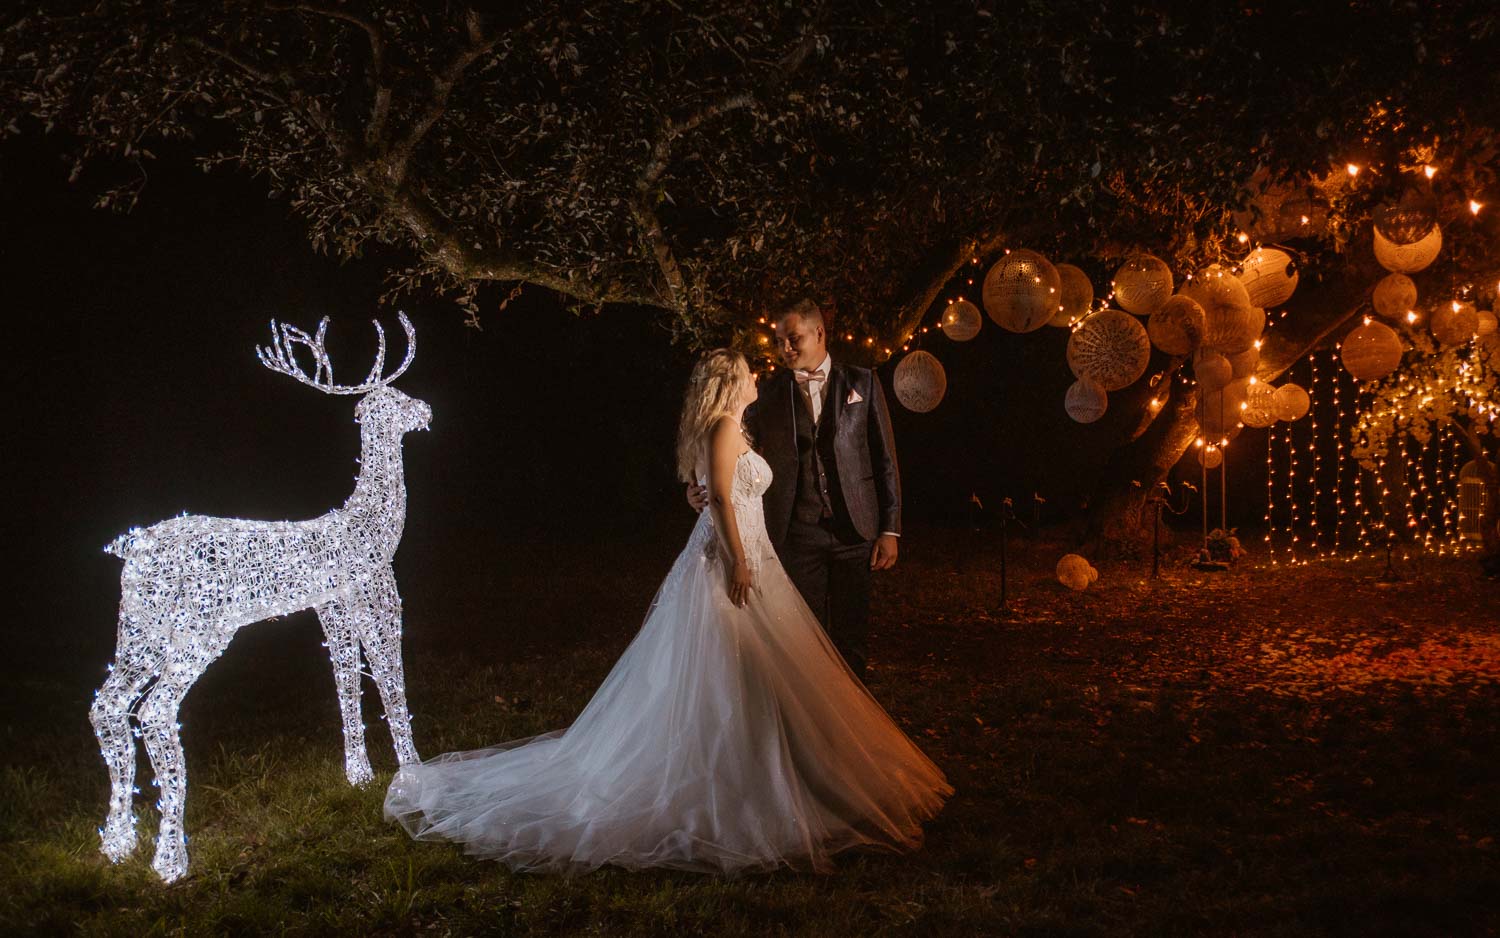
(1142, 284)
(1407, 222)
(1270, 277)
(1488, 322)
(1408, 258)
(1243, 364)
(1177, 327)
(1454, 323)
(1085, 401)
(1371, 351)
(1210, 457)
(1077, 296)
(1394, 296)
(1110, 349)
(1212, 369)
(1022, 291)
(961, 321)
(1232, 322)
(1258, 409)
(1291, 402)
(1075, 572)
(920, 382)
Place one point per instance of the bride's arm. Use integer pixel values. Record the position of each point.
(724, 447)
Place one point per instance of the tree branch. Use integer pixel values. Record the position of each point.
(927, 281)
(381, 107)
(442, 86)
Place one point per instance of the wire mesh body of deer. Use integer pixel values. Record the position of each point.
(189, 583)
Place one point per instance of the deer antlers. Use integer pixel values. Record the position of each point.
(280, 356)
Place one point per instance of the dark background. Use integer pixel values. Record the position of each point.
(135, 395)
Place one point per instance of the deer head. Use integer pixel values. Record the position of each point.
(405, 413)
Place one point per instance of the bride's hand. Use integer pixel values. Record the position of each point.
(740, 582)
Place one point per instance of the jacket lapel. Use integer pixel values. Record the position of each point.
(833, 402)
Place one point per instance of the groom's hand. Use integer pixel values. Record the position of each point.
(697, 496)
(883, 557)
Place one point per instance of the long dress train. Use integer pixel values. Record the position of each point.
(725, 738)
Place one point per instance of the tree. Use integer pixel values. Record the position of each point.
(1456, 385)
(716, 160)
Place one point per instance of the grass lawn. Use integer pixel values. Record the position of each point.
(1265, 751)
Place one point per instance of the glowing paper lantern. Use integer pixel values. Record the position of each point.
(1077, 296)
(961, 321)
(1394, 296)
(1212, 369)
(1110, 349)
(1371, 351)
(191, 582)
(1408, 258)
(1270, 277)
(1085, 401)
(1487, 323)
(1177, 327)
(1232, 322)
(1210, 456)
(1291, 402)
(1142, 284)
(1454, 323)
(1022, 291)
(1075, 572)
(920, 382)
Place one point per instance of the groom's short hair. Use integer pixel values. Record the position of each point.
(805, 308)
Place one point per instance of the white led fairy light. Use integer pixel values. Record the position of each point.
(191, 582)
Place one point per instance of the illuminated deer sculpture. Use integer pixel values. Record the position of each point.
(191, 582)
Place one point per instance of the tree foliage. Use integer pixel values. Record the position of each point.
(715, 159)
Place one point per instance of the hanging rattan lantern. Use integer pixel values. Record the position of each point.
(1258, 409)
(920, 382)
(1394, 296)
(1232, 322)
(1022, 291)
(1077, 296)
(961, 321)
(1177, 327)
(1085, 401)
(1270, 277)
(1291, 402)
(1408, 258)
(1454, 323)
(1371, 351)
(1142, 284)
(1212, 369)
(1110, 349)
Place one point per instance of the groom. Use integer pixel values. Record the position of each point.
(833, 510)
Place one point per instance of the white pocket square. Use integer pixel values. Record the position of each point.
(854, 397)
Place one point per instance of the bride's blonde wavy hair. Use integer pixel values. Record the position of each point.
(713, 392)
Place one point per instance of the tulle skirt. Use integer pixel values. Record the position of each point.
(724, 739)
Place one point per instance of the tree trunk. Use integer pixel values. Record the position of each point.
(1117, 523)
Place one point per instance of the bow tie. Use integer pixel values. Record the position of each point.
(803, 377)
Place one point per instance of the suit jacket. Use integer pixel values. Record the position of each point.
(864, 448)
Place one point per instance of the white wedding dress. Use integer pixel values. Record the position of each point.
(726, 738)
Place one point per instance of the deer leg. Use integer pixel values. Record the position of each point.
(133, 669)
(343, 650)
(380, 634)
(161, 730)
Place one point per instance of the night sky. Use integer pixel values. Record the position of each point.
(138, 397)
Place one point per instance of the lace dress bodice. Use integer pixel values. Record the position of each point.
(752, 476)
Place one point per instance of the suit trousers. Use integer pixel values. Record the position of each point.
(830, 565)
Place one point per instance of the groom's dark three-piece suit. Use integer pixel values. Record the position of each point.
(836, 488)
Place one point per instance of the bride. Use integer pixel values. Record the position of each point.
(729, 736)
